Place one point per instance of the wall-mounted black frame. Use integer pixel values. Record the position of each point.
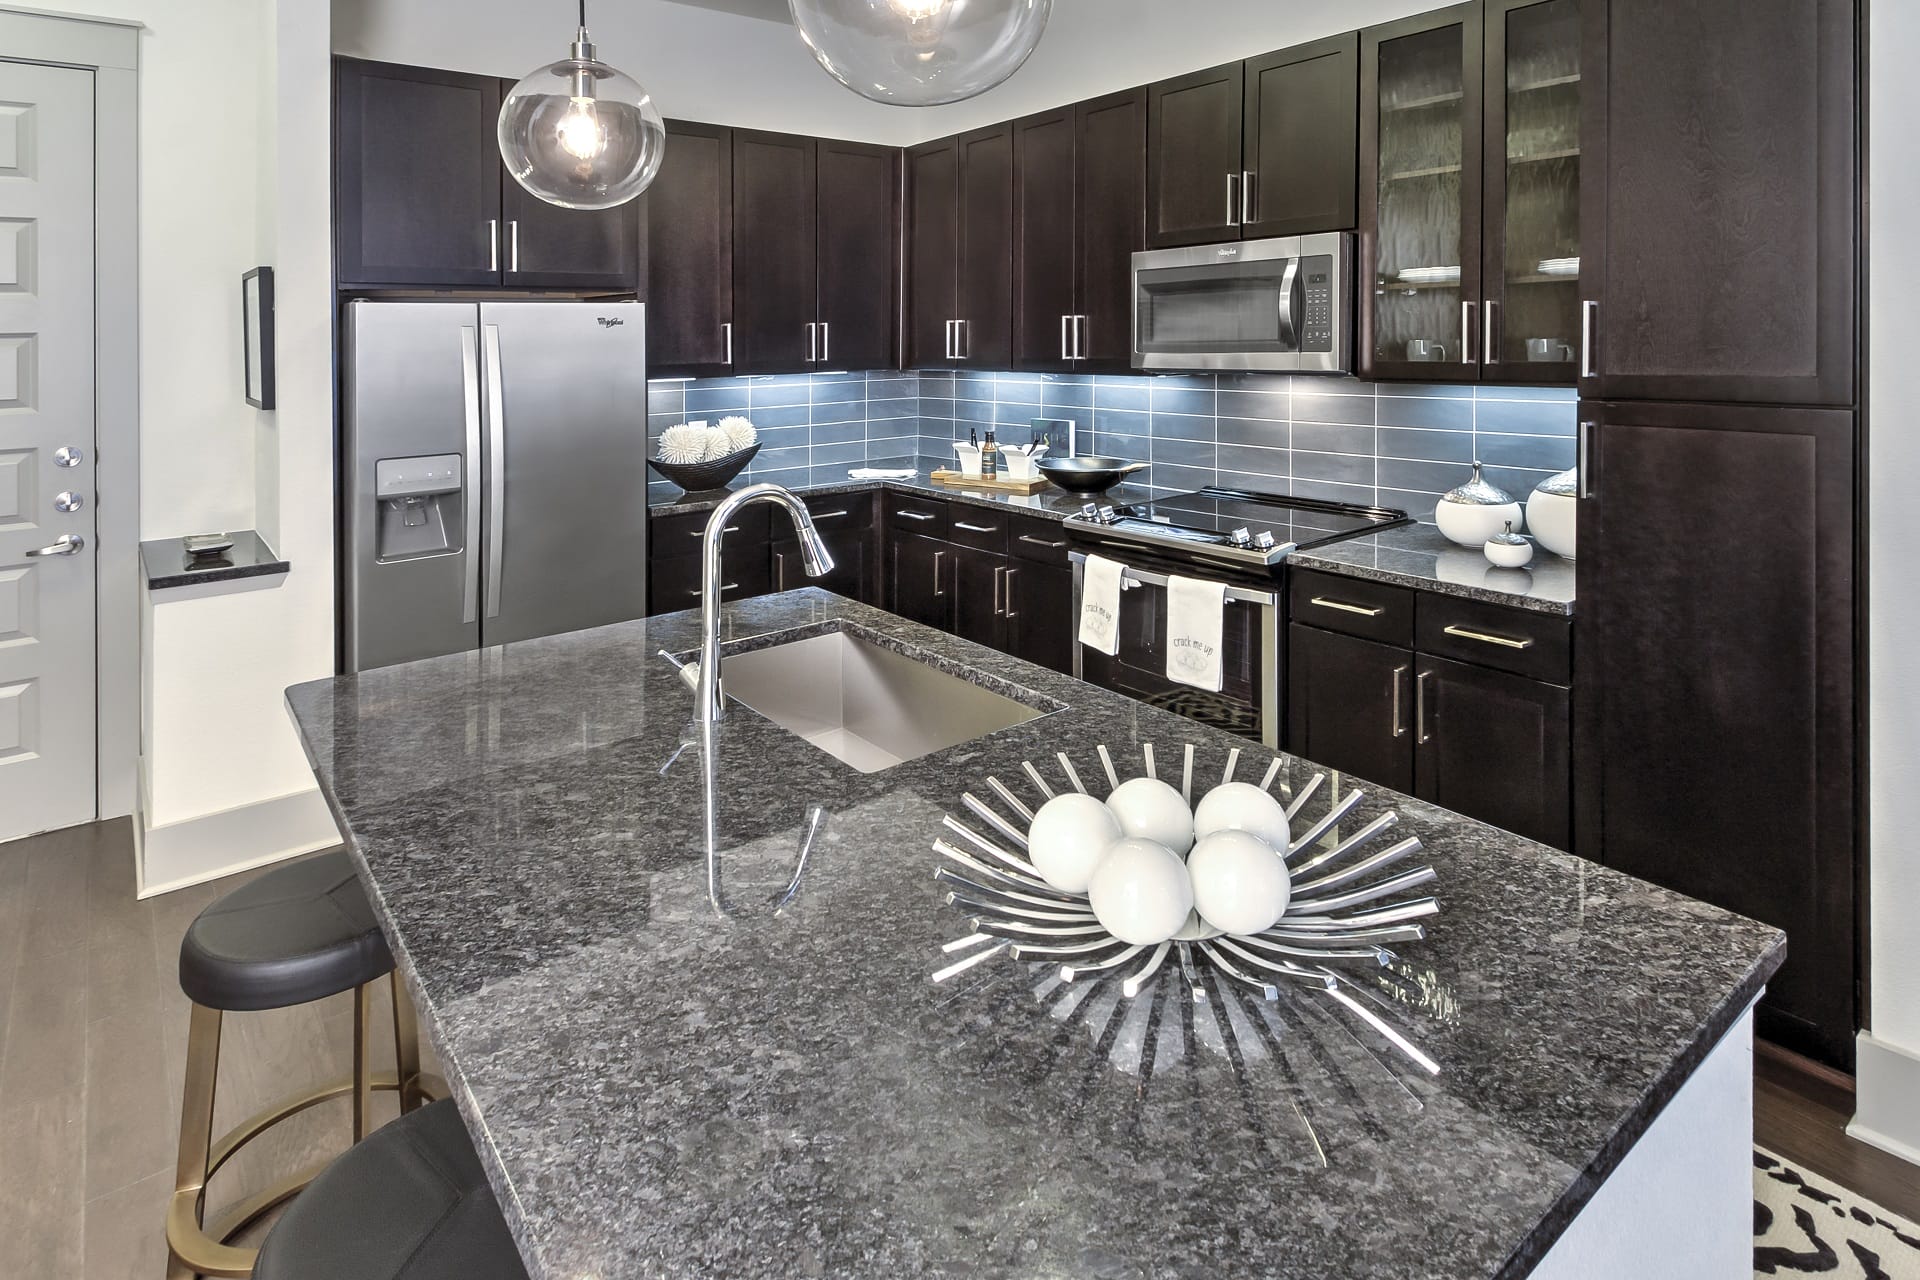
(256, 317)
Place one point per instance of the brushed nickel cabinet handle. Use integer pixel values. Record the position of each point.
(1589, 324)
(726, 331)
(1041, 542)
(938, 557)
(493, 244)
(1505, 642)
(1584, 460)
(913, 515)
(976, 528)
(1011, 612)
(725, 586)
(826, 341)
(1249, 205)
(1420, 707)
(1467, 355)
(997, 575)
(1399, 724)
(1489, 312)
(1066, 337)
(1344, 607)
(1233, 199)
(701, 533)
(831, 515)
(779, 571)
(513, 245)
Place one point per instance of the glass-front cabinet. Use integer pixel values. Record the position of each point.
(1470, 194)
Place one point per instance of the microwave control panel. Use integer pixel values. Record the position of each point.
(1316, 321)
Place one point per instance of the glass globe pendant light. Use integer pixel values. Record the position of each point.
(580, 134)
(921, 53)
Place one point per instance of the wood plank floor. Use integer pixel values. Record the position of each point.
(93, 1042)
(92, 1046)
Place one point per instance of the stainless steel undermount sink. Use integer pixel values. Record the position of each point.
(865, 704)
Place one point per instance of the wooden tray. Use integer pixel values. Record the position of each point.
(956, 480)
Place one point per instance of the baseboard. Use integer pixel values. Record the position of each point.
(212, 845)
(1888, 1091)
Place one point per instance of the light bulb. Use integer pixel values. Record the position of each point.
(580, 133)
(920, 10)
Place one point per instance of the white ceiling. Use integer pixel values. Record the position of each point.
(771, 10)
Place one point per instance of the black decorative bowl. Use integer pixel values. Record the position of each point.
(1092, 474)
(715, 473)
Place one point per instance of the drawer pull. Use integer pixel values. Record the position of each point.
(976, 528)
(913, 515)
(729, 586)
(1344, 607)
(1030, 540)
(831, 515)
(1422, 735)
(1505, 642)
(701, 533)
(1399, 723)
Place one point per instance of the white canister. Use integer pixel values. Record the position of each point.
(1476, 511)
(969, 458)
(1553, 512)
(1508, 550)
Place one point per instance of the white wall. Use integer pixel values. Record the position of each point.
(727, 69)
(1890, 1056)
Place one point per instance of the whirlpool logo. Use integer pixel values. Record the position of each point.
(610, 322)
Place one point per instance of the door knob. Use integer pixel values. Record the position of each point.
(68, 456)
(68, 500)
(65, 545)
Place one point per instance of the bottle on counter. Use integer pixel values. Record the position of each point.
(990, 457)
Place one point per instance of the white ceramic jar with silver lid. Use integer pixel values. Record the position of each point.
(1552, 512)
(1476, 511)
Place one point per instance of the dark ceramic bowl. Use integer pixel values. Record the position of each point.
(1089, 474)
(715, 473)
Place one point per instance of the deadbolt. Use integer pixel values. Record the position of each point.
(68, 500)
(68, 456)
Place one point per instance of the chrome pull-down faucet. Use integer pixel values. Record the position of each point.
(712, 703)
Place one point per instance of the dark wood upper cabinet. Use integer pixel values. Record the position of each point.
(1720, 206)
(1418, 269)
(1717, 714)
(1496, 746)
(1110, 175)
(417, 176)
(690, 252)
(1045, 217)
(548, 247)
(1193, 157)
(1300, 149)
(985, 288)
(859, 235)
(933, 250)
(774, 282)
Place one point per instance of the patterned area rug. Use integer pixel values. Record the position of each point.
(1804, 1225)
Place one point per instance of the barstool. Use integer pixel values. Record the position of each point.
(299, 933)
(409, 1203)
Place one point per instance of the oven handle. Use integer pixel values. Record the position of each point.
(1132, 577)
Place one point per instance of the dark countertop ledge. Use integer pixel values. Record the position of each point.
(659, 1090)
(167, 564)
(1417, 556)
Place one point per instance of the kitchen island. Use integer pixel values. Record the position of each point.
(681, 1065)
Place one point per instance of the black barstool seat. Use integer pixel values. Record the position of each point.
(299, 933)
(411, 1202)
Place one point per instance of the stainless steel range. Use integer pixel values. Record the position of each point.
(1237, 537)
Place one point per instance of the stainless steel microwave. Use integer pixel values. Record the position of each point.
(1284, 305)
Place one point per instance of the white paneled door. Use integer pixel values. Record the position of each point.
(47, 540)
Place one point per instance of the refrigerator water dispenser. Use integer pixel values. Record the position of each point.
(419, 502)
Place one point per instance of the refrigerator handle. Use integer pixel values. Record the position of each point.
(470, 482)
(496, 472)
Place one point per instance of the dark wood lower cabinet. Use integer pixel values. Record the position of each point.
(1350, 704)
(852, 572)
(1715, 641)
(1494, 746)
(978, 577)
(918, 575)
(1039, 617)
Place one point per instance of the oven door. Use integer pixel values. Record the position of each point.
(1258, 305)
(1249, 699)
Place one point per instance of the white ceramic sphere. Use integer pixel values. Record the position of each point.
(1471, 525)
(1552, 517)
(1239, 883)
(1509, 555)
(1068, 837)
(1241, 806)
(1140, 892)
(1149, 809)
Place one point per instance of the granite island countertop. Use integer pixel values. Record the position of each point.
(1417, 556)
(658, 1088)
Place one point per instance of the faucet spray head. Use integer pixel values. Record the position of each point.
(813, 552)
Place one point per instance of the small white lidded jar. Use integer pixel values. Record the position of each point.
(1509, 550)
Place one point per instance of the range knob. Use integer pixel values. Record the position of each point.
(1090, 511)
(1263, 541)
(1109, 516)
(1241, 537)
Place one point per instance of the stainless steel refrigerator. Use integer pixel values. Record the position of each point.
(493, 474)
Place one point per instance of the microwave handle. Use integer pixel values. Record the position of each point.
(1289, 325)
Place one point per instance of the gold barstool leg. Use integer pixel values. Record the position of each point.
(189, 1250)
(362, 1061)
(406, 1045)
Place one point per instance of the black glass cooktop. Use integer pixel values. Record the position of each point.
(1236, 524)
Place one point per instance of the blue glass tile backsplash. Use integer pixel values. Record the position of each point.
(1390, 444)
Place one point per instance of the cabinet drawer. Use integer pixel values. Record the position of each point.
(675, 581)
(680, 534)
(978, 527)
(924, 516)
(841, 511)
(1536, 645)
(1352, 606)
(1044, 541)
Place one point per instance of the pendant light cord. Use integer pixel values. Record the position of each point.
(583, 14)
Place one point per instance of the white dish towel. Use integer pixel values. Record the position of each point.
(1196, 619)
(1100, 605)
